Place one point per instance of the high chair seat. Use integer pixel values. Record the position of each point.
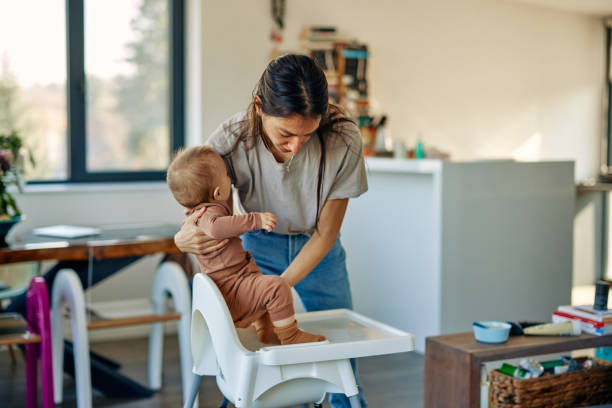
(253, 375)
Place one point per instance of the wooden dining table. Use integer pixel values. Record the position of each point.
(112, 242)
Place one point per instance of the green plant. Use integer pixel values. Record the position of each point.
(11, 172)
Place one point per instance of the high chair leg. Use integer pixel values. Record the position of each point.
(193, 390)
(355, 403)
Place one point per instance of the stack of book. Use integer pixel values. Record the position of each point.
(319, 38)
(597, 322)
(322, 34)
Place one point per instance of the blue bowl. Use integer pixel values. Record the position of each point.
(493, 332)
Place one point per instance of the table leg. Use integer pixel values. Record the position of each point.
(67, 289)
(474, 381)
(446, 384)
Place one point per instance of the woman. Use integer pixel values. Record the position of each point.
(300, 158)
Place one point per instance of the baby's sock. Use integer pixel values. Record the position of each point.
(265, 330)
(290, 334)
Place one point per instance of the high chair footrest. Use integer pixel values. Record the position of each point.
(349, 335)
(132, 320)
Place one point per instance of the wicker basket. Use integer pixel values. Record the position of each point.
(579, 388)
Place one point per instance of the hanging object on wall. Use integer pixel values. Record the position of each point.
(276, 35)
(278, 13)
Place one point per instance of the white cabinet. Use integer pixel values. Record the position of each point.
(434, 245)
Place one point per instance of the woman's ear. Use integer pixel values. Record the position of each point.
(257, 101)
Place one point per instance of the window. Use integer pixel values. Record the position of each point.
(33, 96)
(94, 87)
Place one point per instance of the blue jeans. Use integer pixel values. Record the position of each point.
(326, 287)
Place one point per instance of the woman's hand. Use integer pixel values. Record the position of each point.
(191, 239)
(319, 244)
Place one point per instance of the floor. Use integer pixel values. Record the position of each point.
(389, 381)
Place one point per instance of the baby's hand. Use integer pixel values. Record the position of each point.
(268, 221)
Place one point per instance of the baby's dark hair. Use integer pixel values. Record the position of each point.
(192, 174)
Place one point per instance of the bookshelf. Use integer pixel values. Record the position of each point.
(345, 66)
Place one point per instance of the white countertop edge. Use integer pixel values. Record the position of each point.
(383, 164)
(435, 166)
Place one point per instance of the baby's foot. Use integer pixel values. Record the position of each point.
(290, 334)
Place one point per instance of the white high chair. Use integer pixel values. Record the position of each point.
(252, 375)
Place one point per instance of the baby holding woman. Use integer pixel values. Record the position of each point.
(198, 178)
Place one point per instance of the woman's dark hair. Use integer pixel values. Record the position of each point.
(292, 84)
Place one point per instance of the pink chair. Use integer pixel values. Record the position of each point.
(39, 322)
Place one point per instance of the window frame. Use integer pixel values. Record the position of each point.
(608, 139)
(76, 98)
(606, 157)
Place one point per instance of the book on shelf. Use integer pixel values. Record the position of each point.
(591, 309)
(319, 37)
(319, 45)
(584, 326)
(594, 323)
(572, 310)
(321, 32)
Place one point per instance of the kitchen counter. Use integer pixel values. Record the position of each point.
(380, 164)
(434, 245)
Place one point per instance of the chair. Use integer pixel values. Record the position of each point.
(253, 375)
(169, 280)
(37, 340)
(38, 316)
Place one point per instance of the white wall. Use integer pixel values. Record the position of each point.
(478, 78)
(235, 52)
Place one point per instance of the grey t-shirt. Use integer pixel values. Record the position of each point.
(289, 190)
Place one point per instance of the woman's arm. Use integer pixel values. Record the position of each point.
(319, 244)
(190, 237)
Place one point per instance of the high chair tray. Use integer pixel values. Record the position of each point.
(349, 335)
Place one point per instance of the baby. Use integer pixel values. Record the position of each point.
(198, 178)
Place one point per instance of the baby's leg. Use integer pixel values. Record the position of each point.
(274, 294)
(282, 315)
(265, 330)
